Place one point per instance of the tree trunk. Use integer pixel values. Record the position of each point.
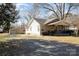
(76, 32)
(6, 28)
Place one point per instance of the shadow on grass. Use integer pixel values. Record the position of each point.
(32, 47)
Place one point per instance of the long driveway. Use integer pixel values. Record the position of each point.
(39, 46)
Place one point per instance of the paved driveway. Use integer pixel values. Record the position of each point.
(37, 47)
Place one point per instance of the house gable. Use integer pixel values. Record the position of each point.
(33, 27)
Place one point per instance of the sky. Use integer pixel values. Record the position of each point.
(23, 11)
(22, 8)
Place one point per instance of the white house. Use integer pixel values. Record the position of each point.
(34, 26)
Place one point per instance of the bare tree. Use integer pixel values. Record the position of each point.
(33, 12)
(60, 10)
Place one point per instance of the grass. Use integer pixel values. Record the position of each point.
(4, 36)
(38, 45)
(65, 39)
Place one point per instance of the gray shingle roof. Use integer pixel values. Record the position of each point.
(68, 20)
(40, 20)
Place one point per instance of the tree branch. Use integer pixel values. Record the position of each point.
(70, 6)
(52, 10)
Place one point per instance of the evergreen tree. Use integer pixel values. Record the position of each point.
(8, 15)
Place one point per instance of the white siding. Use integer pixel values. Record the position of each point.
(34, 28)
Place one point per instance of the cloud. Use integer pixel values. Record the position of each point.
(23, 11)
(23, 6)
